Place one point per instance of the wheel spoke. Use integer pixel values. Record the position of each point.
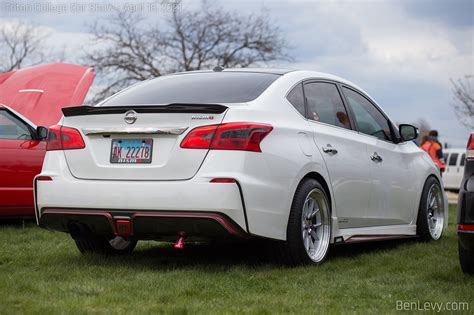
(432, 202)
(314, 235)
(315, 211)
(311, 244)
(307, 209)
(316, 225)
(306, 242)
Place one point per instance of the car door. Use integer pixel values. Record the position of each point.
(393, 192)
(449, 177)
(343, 149)
(21, 158)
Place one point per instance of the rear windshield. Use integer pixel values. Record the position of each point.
(196, 88)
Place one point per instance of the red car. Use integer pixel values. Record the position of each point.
(30, 101)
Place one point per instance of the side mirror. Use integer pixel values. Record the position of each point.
(41, 133)
(408, 132)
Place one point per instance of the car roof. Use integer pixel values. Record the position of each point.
(277, 71)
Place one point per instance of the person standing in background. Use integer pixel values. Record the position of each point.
(434, 149)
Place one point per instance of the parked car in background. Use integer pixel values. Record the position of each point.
(455, 160)
(30, 101)
(304, 158)
(465, 215)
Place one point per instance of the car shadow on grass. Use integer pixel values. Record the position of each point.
(357, 249)
(221, 257)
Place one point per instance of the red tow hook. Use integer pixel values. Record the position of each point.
(179, 244)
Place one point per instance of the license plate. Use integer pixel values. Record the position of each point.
(131, 151)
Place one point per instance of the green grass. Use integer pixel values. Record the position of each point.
(42, 272)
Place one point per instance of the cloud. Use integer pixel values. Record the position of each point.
(455, 13)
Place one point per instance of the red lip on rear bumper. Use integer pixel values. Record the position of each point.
(57, 219)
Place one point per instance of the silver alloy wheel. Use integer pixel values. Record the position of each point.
(315, 225)
(435, 211)
(119, 243)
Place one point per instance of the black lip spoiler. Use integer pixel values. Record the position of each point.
(169, 109)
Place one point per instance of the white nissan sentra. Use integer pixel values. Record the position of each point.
(302, 158)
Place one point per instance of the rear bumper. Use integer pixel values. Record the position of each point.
(144, 225)
(154, 208)
(465, 213)
(466, 239)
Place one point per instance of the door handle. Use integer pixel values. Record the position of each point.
(376, 158)
(329, 149)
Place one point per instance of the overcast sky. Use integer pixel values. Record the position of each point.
(403, 53)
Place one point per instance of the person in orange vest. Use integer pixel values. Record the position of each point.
(434, 149)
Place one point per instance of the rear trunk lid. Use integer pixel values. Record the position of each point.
(162, 127)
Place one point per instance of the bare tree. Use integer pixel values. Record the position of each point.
(20, 45)
(463, 94)
(135, 50)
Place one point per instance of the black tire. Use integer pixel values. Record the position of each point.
(292, 251)
(91, 243)
(466, 258)
(422, 225)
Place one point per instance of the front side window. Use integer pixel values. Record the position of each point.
(369, 119)
(296, 98)
(12, 128)
(325, 104)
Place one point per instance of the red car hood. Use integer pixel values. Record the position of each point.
(39, 92)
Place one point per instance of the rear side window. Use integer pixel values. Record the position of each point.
(196, 88)
(453, 159)
(325, 104)
(463, 159)
(296, 98)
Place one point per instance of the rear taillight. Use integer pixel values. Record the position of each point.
(240, 136)
(470, 147)
(64, 138)
(466, 227)
(199, 138)
(230, 136)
